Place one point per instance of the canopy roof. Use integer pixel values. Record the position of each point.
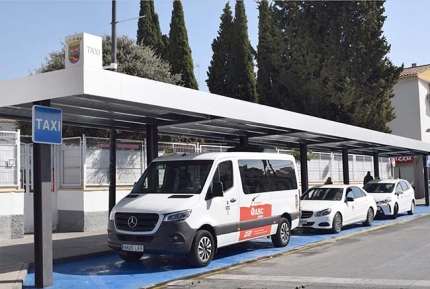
(92, 97)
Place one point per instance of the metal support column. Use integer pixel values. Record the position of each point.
(243, 141)
(112, 169)
(345, 166)
(151, 142)
(426, 181)
(304, 166)
(43, 267)
(376, 165)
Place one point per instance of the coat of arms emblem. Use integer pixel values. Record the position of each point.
(74, 49)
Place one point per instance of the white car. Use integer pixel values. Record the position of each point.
(392, 196)
(334, 206)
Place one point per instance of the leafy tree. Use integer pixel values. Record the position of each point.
(133, 59)
(148, 31)
(241, 66)
(179, 51)
(218, 71)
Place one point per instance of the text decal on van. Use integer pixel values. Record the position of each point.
(254, 233)
(255, 212)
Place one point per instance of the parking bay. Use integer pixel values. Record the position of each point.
(111, 272)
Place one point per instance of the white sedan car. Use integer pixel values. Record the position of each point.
(392, 196)
(334, 206)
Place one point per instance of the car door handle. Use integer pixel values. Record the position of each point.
(232, 200)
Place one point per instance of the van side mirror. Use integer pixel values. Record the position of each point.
(349, 199)
(218, 189)
(399, 193)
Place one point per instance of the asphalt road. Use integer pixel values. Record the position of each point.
(397, 256)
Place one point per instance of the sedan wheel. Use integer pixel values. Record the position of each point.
(395, 212)
(412, 210)
(337, 223)
(370, 217)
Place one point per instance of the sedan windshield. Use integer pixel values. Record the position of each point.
(174, 177)
(379, 187)
(323, 194)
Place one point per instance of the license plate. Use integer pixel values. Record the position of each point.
(303, 222)
(132, 248)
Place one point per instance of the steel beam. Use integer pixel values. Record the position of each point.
(426, 181)
(151, 143)
(43, 267)
(345, 166)
(112, 169)
(376, 165)
(304, 166)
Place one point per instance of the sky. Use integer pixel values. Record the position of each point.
(30, 30)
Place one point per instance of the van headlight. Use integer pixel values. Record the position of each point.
(323, 213)
(112, 215)
(387, 200)
(178, 216)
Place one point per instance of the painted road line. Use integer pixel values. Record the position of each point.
(326, 280)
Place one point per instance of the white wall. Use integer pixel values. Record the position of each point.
(98, 201)
(11, 204)
(406, 105)
(424, 89)
(7, 126)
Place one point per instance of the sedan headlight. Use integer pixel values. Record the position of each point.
(323, 213)
(112, 215)
(387, 200)
(178, 216)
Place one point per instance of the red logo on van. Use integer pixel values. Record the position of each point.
(255, 212)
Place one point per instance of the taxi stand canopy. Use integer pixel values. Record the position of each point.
(97, 98)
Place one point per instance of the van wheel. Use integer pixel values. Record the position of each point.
(130, 256)
(282, 236)
(395, 212)
(202, 250)
(370, 217)
(412, 210)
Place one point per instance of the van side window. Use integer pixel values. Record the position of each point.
(224, 174)
(259, 176)
(282, 175)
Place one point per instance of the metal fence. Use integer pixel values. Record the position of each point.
(10, 159)
(130, 156)
(85, 162)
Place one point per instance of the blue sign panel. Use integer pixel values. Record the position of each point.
(47, 125)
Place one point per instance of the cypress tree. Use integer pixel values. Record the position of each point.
(266, 54)
(179, 51)
(148, 31)
(221, 46)
(241, 67)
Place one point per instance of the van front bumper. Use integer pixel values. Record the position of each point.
(170, 238)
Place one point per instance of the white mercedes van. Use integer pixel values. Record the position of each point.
(194, 204)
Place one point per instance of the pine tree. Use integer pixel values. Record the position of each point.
(179, 51)
(241, 67)
(336, 66)
(221, 46)
(149, 31)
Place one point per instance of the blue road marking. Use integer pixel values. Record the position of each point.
(111, 272)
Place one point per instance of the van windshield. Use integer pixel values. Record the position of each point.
(174, 177)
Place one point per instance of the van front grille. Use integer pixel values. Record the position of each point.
(144, 222)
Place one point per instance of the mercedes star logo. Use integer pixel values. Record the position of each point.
(132, 222)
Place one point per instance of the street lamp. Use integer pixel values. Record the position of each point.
(114, 65)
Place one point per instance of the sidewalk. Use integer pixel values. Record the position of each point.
(16, 254)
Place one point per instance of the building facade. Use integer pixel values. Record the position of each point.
(411, 104)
